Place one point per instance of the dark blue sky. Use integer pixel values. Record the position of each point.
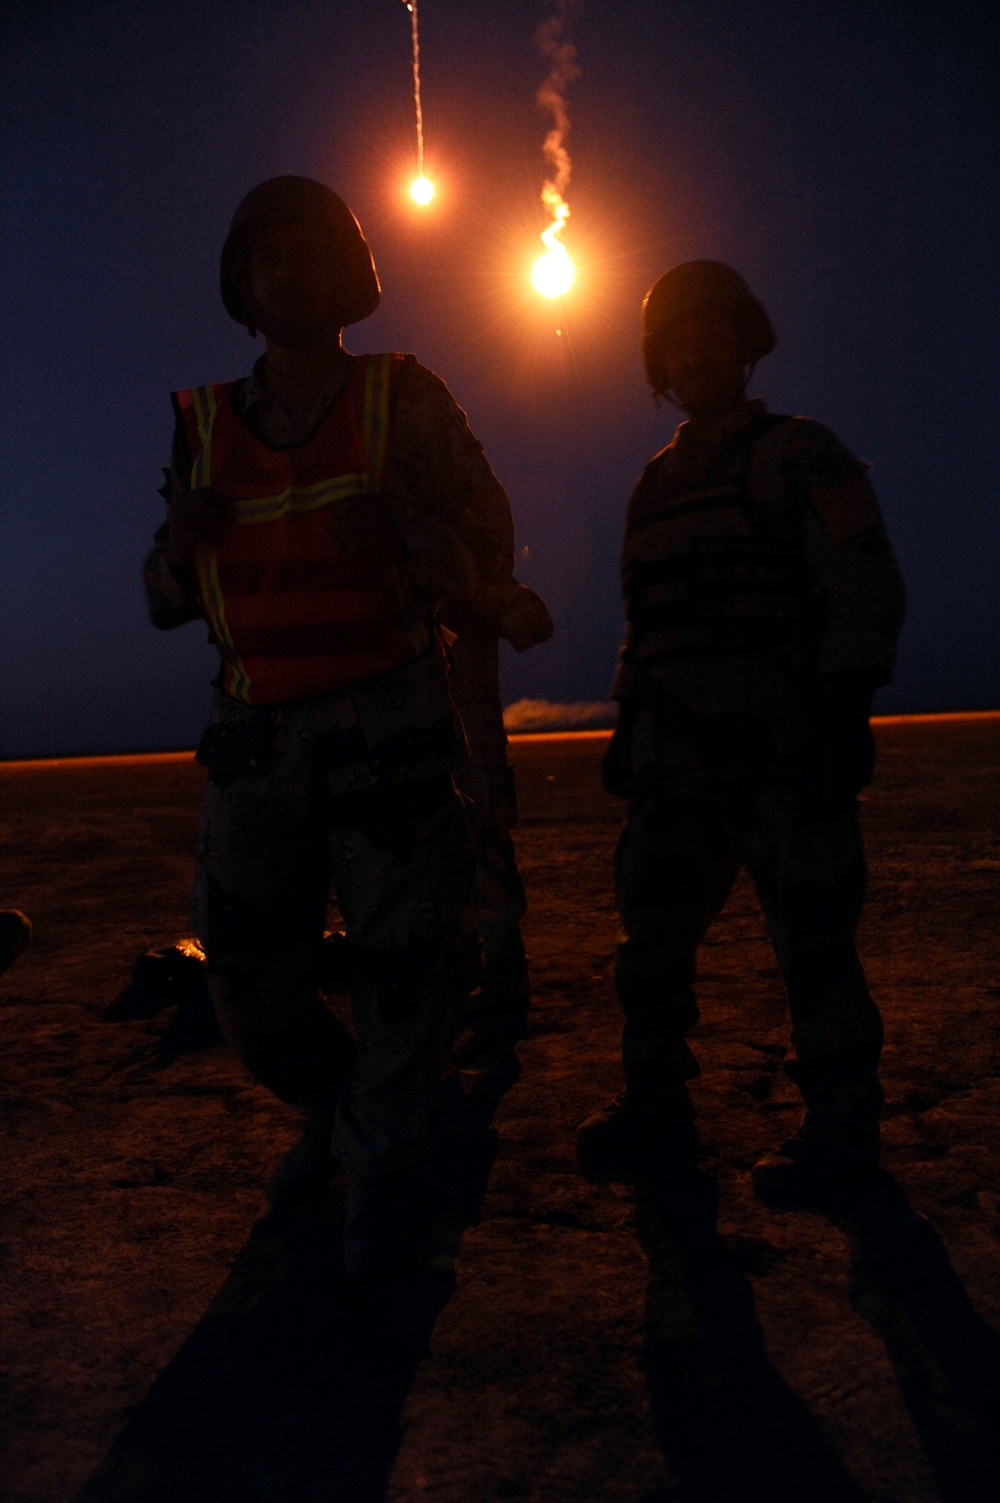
(843, 155)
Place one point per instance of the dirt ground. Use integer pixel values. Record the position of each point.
(162, 1340)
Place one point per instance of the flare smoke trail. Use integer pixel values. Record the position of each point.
(552, 42)
(415, 29)
(421, 191)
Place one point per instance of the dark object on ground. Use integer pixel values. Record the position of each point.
(160, 978)
(15, 936)
(175, 976)
(172, 977)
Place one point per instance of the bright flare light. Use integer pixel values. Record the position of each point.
(421, 190)
(553, 273)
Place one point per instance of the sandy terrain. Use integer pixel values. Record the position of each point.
(162, 1341)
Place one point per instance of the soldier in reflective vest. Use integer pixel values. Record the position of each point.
(318, 512)
(763, 604)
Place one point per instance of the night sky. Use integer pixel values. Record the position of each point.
(842, 155)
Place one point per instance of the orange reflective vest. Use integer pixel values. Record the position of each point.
(292, 618)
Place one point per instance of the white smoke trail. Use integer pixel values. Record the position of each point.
(553, 272)
(411, 6)
(552, 43)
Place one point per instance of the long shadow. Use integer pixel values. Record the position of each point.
(291, 1388)
(729, 1425)
(946, 1357)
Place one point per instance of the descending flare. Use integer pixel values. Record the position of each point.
(553, 273)
(421, 189)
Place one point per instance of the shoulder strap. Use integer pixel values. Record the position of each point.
(380, 372)
(196, 408)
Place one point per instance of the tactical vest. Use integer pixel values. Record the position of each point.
(704, 576)
(292, 618)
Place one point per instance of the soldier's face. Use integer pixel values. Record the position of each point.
(289, 271)
(702, 357)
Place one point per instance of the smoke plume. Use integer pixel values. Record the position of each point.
(552, 43)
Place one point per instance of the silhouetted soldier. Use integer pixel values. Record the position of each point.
(763, 603)
(318, 511)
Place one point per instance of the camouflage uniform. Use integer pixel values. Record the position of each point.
(763, 604)
(497, 1013)
(353, 788)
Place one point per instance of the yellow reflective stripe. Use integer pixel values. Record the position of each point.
(210, 591)
(375, 433)
(307, 498)
(203, 401)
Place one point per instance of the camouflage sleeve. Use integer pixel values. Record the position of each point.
(850, 565)
(453, 511)
(629, 680)
(170, 592)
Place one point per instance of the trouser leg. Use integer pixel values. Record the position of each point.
(402, 888)
(674, 868)
(260, 902)
(498, 891)
(810, 874)
(499, 1009)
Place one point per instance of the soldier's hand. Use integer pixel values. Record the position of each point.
(199, 517)
(526, 621)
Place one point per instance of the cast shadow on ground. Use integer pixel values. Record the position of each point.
(946, 1357)
(729, 1425)
(291, 1388)
(732, 1429)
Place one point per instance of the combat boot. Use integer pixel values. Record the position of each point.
(838, 1139)
(637, 1134)
(307, 1167)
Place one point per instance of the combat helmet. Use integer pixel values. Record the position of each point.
(704, 284)
(280, 200)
